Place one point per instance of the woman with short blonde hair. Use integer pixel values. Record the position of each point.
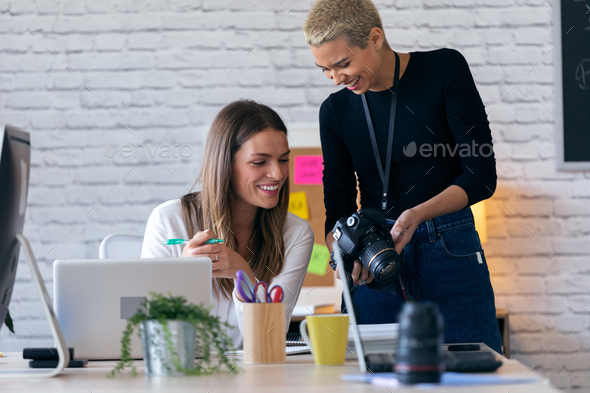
(413, 129)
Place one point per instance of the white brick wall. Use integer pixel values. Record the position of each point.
(164, 70)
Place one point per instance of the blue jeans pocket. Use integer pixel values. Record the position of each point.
(461, 242)
(456, 277)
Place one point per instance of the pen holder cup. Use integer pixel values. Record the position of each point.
(264, 333)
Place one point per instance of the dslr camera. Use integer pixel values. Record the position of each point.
(365, 236)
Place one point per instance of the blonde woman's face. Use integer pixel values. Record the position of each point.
(260, 169)
(351, 67)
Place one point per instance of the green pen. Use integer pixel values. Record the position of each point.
(173, 242)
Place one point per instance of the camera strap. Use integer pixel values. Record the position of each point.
(384, 174)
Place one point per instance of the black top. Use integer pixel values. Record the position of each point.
(442, 137)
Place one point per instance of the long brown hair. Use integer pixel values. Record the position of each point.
(210, 208)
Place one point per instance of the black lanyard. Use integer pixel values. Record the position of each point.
(384, 176)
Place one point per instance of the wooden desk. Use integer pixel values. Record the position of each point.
(501, 315)
(298, 374)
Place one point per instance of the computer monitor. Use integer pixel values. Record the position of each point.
(15, 159)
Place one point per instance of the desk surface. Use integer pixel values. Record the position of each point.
(298, 374)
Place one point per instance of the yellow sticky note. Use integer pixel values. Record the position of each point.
(319, 259)
(298, 204)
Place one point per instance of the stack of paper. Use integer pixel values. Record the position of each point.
(379, 338)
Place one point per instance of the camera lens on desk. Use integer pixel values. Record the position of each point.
(419, 350)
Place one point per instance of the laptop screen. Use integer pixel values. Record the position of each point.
(349, 308)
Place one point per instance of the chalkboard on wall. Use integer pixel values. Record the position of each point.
(572, 83)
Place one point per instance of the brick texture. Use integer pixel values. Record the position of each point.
(83, 76)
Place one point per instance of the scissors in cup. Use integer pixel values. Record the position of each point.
(276, 294)
(265, 295)
(258, 293)
(261, 292)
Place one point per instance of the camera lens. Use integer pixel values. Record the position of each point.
(383, 262)
(419, 348)
(387, 271)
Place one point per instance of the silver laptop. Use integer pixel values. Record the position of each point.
(94, 297)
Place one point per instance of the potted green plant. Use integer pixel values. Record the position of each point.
(173, 333)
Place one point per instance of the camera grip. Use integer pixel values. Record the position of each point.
(347, 270)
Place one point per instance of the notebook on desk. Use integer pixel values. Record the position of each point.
(294, 345)
(295, 340)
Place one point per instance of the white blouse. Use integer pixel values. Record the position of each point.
(166, 222)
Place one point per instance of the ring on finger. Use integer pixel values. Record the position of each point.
(362, 282)
(215, 256)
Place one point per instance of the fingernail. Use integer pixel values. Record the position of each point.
(399, 229)
(206, 230)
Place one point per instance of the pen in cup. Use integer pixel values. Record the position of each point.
(173, 242)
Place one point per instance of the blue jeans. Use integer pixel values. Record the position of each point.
(444, 263)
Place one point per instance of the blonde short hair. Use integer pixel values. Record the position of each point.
(332, 19)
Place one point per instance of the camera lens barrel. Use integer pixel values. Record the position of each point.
(419, 349)
(381, 260)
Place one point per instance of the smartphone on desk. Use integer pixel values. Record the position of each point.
(462, 358)
(464, 347)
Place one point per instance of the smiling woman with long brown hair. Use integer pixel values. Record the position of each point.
(243, 200)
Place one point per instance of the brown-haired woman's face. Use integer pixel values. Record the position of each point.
(260, 168)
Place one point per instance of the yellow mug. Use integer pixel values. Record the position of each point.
(327, 338)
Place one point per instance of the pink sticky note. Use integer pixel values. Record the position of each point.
(308, 169)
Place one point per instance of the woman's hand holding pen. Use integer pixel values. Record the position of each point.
(226, 262)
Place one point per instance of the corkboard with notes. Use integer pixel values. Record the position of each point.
(314, 196)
